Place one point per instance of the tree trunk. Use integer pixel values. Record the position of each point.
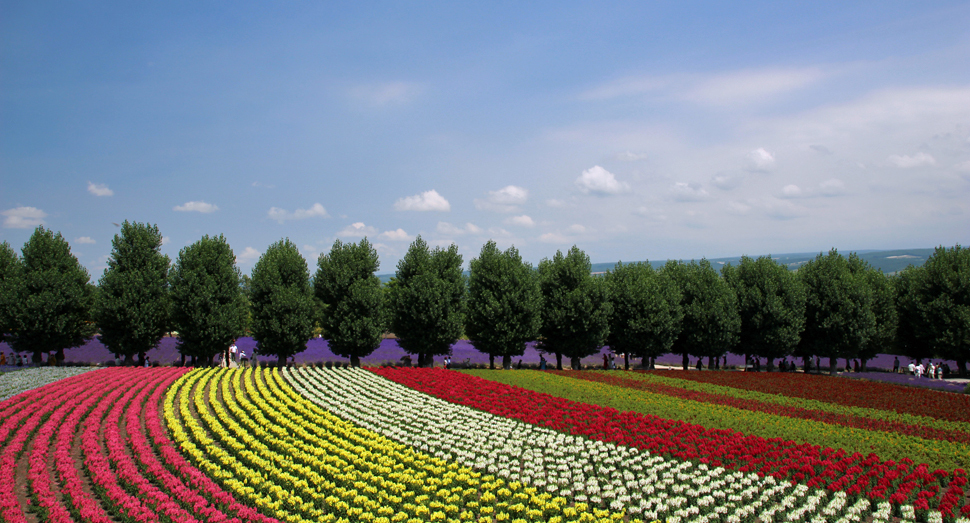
(491, 361)
(862, 368)
(129, 360)
(653, 363)
(626, 361)
(506, 361)
(962, 368)
(37, 359)
(182, 362)
(686, 361)
(281, 361)
(833, 365)
(710, 362)
(806, 363)
(574, 362)
(558, 361)
(355, 361)
(60, 356)
(141, 359)
(771, 364)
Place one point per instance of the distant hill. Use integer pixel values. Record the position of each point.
(889, 262)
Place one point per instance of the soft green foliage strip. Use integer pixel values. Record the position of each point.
(939, 454)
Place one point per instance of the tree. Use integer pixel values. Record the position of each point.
(282, 301)
(10, 281)
(839, 319)
(132, 307)
(883, 304)
(428, 300)
(914, 336)
(208, 308)
(771, 304)
(54, 298)
(647, 315)
(576, 308)
(945, 303)
(345, 283)
(711, 324)
(504, 300)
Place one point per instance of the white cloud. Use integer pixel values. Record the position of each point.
(448, 229)
(576, 229)
(385, 94)
(832, 187)
(85, 239)
(196, 207)
(248, 254)
(554, 203)
(598, 180)
(99, 189)
(791, 191)
(688, 192)
(357, 229)
(760, 160)
(263, 185)
(629, 156)
(426, 201)
(505, 199)
(398, 235)
(726, 181)
(917, 160)
(553, 237)
(281, 215)
(521, 221)
(739, 208)
(23, 217)
(166, 240)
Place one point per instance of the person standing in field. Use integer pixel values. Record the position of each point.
(896, 365)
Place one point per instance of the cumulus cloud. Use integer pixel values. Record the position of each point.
(598, 180)
(248, 254)
(23, 217)
(85, 239)
(506, 199)
(202, 207)
(521, 221)
(760, 160)
(791, 191)
(99, 189)
(357, 229)
(576, 229)
(426, 201)
(738, 208)
(556, 204)
(630, 156)
(726, 181)
(281, 215)
(450, 230)
(553, 237)
(688, 192)
(917, 160)
(166, 240)
(832, 187)
(398, 235)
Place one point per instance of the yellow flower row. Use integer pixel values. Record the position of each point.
(292, 460)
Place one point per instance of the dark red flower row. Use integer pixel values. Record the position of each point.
(773, 408)
(813, 465)
(853, 393)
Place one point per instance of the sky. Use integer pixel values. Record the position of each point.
(633, 130)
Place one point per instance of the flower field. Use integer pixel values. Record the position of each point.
(413, 445)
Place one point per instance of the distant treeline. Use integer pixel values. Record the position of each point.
(832, 307)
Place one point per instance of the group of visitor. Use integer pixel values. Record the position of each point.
(939, 370)
(15, 359)
(232, 356)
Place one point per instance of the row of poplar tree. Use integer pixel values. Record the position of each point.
(831, 307)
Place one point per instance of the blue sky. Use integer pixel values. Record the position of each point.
(641, 130)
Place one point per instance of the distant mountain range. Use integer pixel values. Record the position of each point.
(889, 262)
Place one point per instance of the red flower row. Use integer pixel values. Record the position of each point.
(853, 393)
(813, 465)
(859, 422)
(137, 480)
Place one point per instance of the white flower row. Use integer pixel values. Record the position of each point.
(15, 382)
(602, 474)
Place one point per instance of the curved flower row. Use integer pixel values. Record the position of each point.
(108, 416)
(299, 462)
(852, 393)
(16, 382)
(585, 470)
(651, 384)
(900, 483)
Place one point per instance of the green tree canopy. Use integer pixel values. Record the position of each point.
(771, 304)
(132, 307)
(839, 317)
(346, 284)
(711, 324)
(208, 309)
(427, 300)
(576, 308)
(54, 298)
(282, 301)
(647, 315)
(883, 291)
(504, 303)
(914, 337)
(10, 282)
(945, 303)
